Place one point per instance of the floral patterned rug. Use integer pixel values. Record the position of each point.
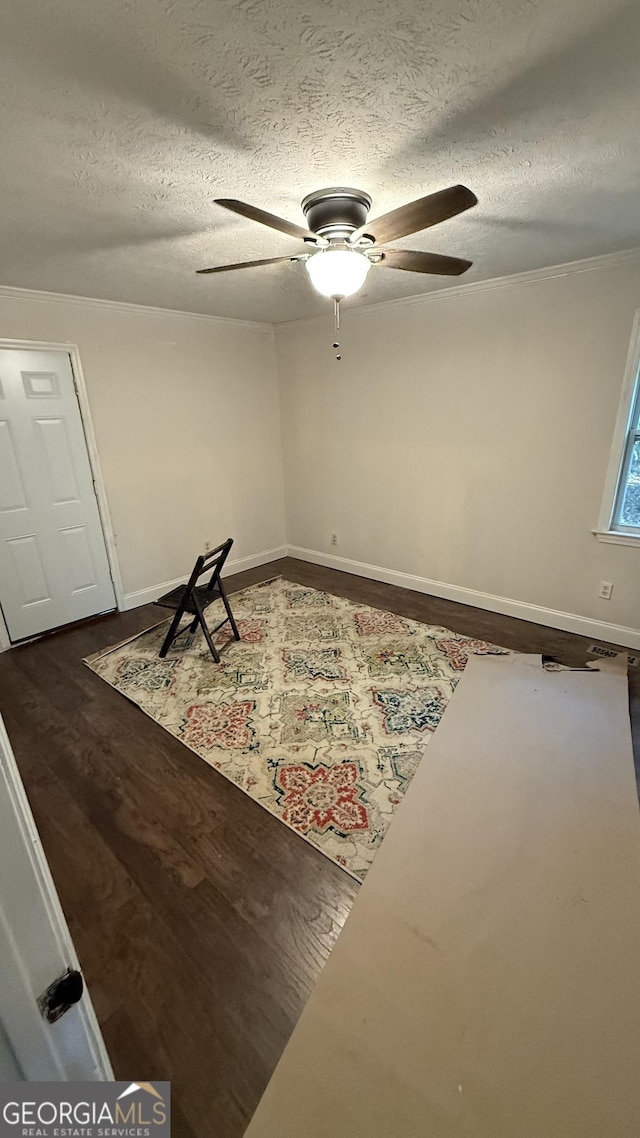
(321, 712)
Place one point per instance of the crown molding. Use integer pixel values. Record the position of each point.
(530, 276)
(9, 292)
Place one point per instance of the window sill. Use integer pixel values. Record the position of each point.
(612, 537)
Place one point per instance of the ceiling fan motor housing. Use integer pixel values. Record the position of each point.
(336, 213)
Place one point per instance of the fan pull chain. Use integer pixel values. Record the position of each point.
(336, 323)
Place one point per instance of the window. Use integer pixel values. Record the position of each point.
(626, 514)
(619, 520)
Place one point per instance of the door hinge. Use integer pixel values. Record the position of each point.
(61, 995)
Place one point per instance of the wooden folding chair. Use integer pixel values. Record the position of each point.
(194, 599)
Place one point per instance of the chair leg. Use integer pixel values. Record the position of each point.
(207, 635)
(194, 624)
(171, 634)
(227, 606)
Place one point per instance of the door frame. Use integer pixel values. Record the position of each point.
(73, 351)
(43, 1051)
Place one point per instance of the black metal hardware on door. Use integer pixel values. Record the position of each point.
(61, 995)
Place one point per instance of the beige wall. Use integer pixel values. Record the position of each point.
(466, 439)
(186, 418)
(462, 440)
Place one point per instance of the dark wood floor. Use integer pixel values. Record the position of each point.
(201, 922)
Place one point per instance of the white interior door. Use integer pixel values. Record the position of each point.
(35, 949)
(53, 559)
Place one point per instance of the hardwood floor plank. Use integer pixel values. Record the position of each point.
(200, 920)
(212, 1070)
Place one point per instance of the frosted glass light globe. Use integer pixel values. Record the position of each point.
(338, 272)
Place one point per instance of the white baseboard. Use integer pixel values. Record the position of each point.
(146, 596)
(553, 618)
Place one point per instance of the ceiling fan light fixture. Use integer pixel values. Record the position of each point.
(338, 272)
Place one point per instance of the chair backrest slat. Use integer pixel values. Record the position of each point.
(213, 560)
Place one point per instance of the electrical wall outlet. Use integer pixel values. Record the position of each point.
(334, 538)
(208, 546)
(605, 591)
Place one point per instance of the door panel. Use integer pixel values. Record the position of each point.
(78, 559)
(53, 560)
(40, 384)
(56, 451)
(28, 569)
(12, 492)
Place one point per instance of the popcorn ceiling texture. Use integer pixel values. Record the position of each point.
(121, 122)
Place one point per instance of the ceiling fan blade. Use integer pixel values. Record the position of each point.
(415, 262)
(264, 218)
(245, 265)
(418, 215)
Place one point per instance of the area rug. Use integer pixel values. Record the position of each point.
(320, 713)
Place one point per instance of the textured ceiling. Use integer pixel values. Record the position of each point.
(121, 120)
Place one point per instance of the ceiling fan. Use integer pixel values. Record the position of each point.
(345, 244)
